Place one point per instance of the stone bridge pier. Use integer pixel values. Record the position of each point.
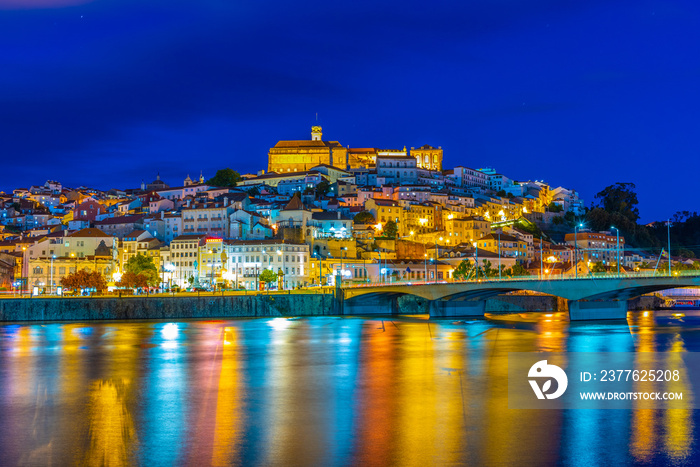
(457, 308)
(581, 310)
(371, 304)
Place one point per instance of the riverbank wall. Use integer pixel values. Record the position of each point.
(252, 306)
(166, 307)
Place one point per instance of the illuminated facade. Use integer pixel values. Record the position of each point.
(362, 158)
(302, 155)
(428, 157)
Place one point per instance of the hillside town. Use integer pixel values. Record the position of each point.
(321, 212)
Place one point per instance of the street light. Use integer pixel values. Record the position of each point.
(617, 231)
(281, 259)
(380, 264)
(668, 227)
(169, 268)
(436, 261)
(211, 269)
(51, 272)
(425, 272)
(575, 248)
(342, 249)
(476, 260)
(499, 255)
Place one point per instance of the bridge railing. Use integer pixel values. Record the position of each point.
(534, 278)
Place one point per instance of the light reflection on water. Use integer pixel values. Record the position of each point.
(321, 391)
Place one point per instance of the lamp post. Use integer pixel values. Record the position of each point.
(617, 231)
(281, 259)
(476, 261)
(425, 266)
(499, 255)
(575, 248)
(211, 269)
(380, 265)
(668, 227)
(51, 272)
(342, 250)
(436, 260)
(169, 269)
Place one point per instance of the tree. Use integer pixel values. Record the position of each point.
(517, 270)
(84, 280)
(322, 188)
(391, 230)
(620, 198)
(463, 270)
(554, 207)
(364, 217)
(144, 266)
(225, 178)
(267, 276)
(598, 266)
(133, 281)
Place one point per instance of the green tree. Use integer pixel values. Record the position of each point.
(554, 207)
(323, 188)
(463, 270)
(144, 266)
(391, 230)
(598, 266)
(678, 267)
(225, 178)
(517, 270)
(364, 217)
(619, 198)
(267, 276)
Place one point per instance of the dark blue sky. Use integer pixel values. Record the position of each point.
(577, 93)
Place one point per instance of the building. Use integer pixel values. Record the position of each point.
(469, 178)
(428, 157)
(140, 242)
(184, 259)
(208, 218)
(466, 229)
(504, 245)
(245, 261)
(596, 247)
(156, 184)
(362, 158)
(57, 255)
(396, 167)
(331, 224)
(88, 210)
(303, 155)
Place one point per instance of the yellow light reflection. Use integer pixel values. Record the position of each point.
(112, 431)
(228, 404)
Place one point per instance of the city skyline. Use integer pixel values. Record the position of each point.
(107, 94)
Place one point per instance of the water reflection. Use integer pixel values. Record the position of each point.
(322, 391)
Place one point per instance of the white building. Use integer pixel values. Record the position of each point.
(396, 167)
(247, 259)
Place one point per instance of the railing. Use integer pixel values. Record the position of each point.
(531, 278)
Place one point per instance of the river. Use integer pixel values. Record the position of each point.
(320, 391)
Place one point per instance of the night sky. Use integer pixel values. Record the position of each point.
(580, 94)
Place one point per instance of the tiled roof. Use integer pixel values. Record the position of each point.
(89, 232)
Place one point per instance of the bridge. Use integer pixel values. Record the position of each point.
(588, 298)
